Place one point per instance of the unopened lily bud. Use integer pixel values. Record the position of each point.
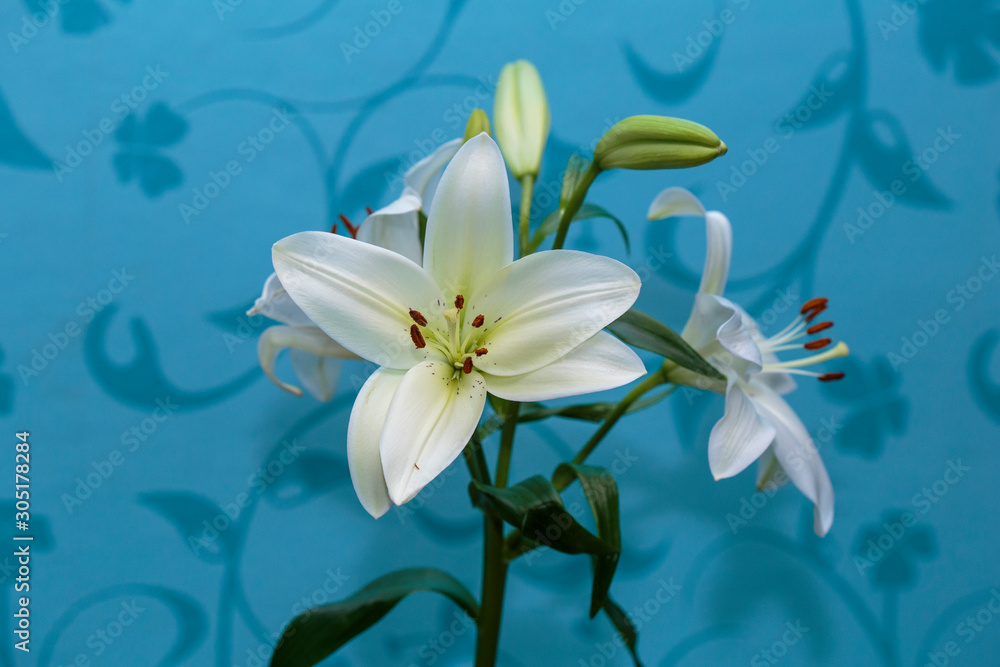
(521, 116)
(478, 123)
(657, 142)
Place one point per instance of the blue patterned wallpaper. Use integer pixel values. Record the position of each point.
(185, 509)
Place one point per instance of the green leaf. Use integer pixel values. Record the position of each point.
(319, 632)
(645, 332)
(550, 225)
(624, 626)
(599, 487)
(534, 506)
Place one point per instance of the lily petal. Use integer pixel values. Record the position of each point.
(602, 362)
(318, 374)
(275, 303)
(544, 305)
(795, 450)
(396, 227)
(422, 176)
(359, 294)
(675, 202)
(740, 437)
(721, 330)
(469, 229)
(431, 418)
(309, 339)
(719, 235)
(363, 434)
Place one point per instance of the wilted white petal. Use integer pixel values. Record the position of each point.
(310, 339)
(675, 202)
(318, 374)
(602, 362)
(422, 176)
(363, 434)
(433, 414)
(395, 227)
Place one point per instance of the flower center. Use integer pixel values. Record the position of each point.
(461, 339)
(801, 327)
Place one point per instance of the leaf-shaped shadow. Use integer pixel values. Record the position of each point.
(985, 390)
(192, 621)
(672, 87)
(205, 528)
(15, 148)
(76, 17)
(161, 127)
(41, 530)
(887, 553)
(156, 173)
(138, 157)
(880, 143)
(141, 381)
(872, 390)
(961, 31)
(836, 86)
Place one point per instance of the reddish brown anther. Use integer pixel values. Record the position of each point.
(467, 365)
(459, 301)
(481, 351)
(817, 344)
(813, 303)
(478, 321)
(369, 210)
(351, 229)
(814, 313)
(830, 377)
(816, 328)
(417, 337)
(418, 318)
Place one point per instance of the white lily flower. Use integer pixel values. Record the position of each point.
(467, 322)
(758, 423)
(316, 358)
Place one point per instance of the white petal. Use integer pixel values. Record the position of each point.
(769, 471)
(740, 437)
(721, 330)
(395, 227)
(719, 234)
(602, 362)
(547, 304)
(275, 303)
(318, 374)
(363, 434)
(359, 294)
(423, 175)
(469, 229)
(675, 202)
(797, 454)
(432, 416)
(310, 339)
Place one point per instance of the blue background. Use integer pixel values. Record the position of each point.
(176, 331)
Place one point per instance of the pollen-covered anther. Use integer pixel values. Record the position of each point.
(814, 313)
(481, 351)
(417, 337)
(478, 321)
(830, 377)
(816, 328)
(812, 304)
(817, 344)
(467, 365)
(418, 318)
(459, 302)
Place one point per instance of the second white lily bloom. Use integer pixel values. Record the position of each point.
(469, 321)
(758, 423)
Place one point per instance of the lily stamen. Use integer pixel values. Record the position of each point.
(417, 337)
(351, 228)
(418, 318)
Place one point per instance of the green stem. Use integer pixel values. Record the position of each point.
(527, 191)
(506, 444)
(654, 380)
(574, 204)
(491, 603)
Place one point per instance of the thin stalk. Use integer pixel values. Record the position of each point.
(491, 602)
(506, 444)
(527, 192)
(573, 205)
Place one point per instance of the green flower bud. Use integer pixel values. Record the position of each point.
(657, 142)
(478, 123)
(521, 117)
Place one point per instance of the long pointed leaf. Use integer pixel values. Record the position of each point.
(624, 626)
(550, 224)
(645, 332)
